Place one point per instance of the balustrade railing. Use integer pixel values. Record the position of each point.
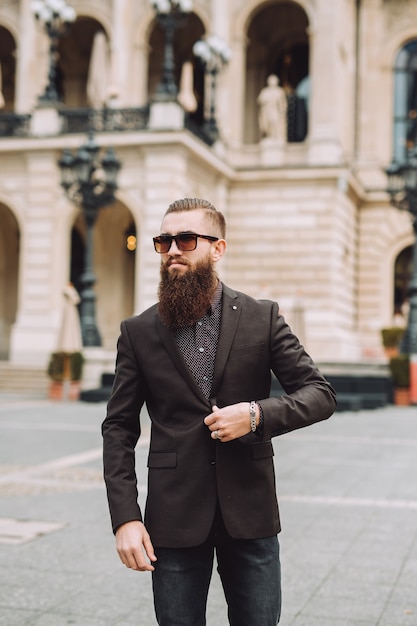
(80, 121)
(104, 120)
(13, 125)
(135, 119)
(297, 119)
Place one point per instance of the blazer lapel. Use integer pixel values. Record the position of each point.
(170, 345)
(230, 319)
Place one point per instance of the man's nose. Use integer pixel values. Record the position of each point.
(174, 249)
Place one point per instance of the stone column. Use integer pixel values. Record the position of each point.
(121, 75)
(220, 12)
(234, 114)
(159, 190)
(43, 266)
(28, 80)
(374, 112)
(329, 78)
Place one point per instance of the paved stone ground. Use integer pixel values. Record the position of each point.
(348, 499)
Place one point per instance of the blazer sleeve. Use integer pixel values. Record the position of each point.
(121, 431)
(309, 396)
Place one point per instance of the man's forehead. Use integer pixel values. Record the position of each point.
(179, 221)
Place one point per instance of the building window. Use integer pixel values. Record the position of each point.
(7, 70)
(405, 100)
(278, 44)
(402, 277)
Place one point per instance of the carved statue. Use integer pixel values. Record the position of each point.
(272, 102)
(186, 96)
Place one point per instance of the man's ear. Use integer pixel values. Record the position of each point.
(219, 248)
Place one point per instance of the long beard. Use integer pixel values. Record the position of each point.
(185, 298)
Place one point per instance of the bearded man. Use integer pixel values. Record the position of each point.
(201, 360)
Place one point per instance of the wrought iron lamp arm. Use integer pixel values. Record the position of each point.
(89, 182)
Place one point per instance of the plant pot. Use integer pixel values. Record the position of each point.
(391, 351)
(68, 390)
(402, 396)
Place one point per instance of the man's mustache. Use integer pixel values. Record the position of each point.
(177, 262)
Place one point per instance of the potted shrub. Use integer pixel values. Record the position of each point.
(65, 371)
(400, 373)
(391, 338)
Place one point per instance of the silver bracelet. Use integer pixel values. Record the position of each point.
(252, 415)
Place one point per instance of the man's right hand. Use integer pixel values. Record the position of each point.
(132, 543)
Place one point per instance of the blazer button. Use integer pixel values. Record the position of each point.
(212, 460)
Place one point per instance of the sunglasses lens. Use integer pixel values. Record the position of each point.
(186, 242)
(162, 244)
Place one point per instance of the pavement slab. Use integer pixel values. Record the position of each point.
(347, 490)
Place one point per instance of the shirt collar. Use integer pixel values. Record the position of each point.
(217, 296)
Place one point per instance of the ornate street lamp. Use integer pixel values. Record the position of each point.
(91, 183)
(55, 16)
(213, 54)
(170, 15)
(402, 187)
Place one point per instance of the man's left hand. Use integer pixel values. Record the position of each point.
(230, 422)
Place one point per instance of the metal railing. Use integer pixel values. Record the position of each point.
(104, 120)
(80, 121)
(83, 120)
(14, 125)
(297, 119)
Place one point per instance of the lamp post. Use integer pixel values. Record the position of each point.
(55, 16)
(213, 53)
(90, 182)
(170, 15)
(402, 187)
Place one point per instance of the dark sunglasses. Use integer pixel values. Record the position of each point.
(184, 242)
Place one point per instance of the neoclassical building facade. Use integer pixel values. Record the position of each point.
(309, 220)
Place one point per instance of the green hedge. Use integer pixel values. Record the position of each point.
(56, 366)
(400, 370)
(391, 337)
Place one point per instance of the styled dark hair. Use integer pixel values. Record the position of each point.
(193, 204)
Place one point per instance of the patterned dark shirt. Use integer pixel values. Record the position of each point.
(198, 343)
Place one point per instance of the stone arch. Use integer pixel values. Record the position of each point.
(389, 52)
(74, 58)
(9, 275)
(278, 43)
(398, 247)
(184, 39)
(17, 208)
(402, 276)
(147, 25)
(11, 25)
(404, 99)
(244, 17)
(114, 266)
(8, 49)
(401, 237)
(393, 46)
(99, 11)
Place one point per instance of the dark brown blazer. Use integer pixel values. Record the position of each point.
(188, 470)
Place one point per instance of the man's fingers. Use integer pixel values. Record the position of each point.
(142, 565)
(210, 419)
(147, 544)
(136, 560)
(132, 541)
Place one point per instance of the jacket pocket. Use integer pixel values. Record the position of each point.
(261, 450)
(162, 460)
(248, 350)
